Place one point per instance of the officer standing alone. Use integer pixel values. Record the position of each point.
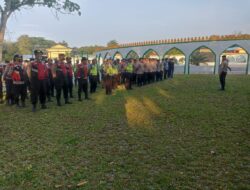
(223, 68)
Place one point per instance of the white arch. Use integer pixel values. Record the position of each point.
(218, 47)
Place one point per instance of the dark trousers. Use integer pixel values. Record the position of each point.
(165, 74)
(145, 78)
(139, 79)
(70, 86)
(51, 87)
(48, 92)
(1, 91)
(223, 80)
(61, 85)
(171, 72)
(75, 80)
(9, 91)
(153, 76)
(123, 76)
(158, 76)
(128, 81)
(93, 83)
(108, 85)
(82, 87)
(19, 90)
(38, 89)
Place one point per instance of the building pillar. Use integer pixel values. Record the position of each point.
(248, 65)
(186, 66)
(217, 63)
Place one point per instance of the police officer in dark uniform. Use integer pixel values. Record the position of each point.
(36, 73)
(69, 76)
(9, 83)
(51, 81)
(82, 76)
(18, 77)
(1, 85)
(93, 76)
(171, 63)
(48, 82)
(60, 79)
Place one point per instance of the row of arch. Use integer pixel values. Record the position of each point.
(187, 60)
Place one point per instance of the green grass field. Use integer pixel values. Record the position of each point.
(179, 134)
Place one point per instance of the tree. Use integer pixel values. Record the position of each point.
(89, 49)
(26, 44)
(64, 43)
(8, 7)
(9, 49)
(112, 44)
(197, 58)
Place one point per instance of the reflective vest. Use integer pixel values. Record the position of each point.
(109, 71)
(129, 68)
(115, 71)
(93, 70)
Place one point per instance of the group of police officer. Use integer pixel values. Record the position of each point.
(135, 71)
(41, 77)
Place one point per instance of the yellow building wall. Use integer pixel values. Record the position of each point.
(54, 51)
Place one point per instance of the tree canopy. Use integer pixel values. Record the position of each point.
(112, 44)
(8, 7)
(25, 45)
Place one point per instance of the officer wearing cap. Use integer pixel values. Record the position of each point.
(37, 74)
(171, 63)
(50, 81)
(18, 78)
(1, 84)
(69, 76)
(82, 76)
(129, 74)
(9, 83)
(61, 82)
(94, 75)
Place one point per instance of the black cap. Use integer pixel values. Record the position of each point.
(38, 51)
(16, 57)
(84, 59)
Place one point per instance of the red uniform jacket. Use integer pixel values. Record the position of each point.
(69, 70)
(39, 69)
(82, 71)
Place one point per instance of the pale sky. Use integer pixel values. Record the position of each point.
(133, 21)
